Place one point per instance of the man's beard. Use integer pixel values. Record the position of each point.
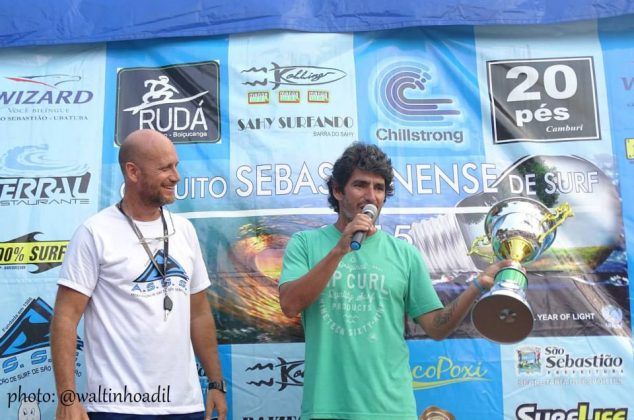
(158, 199)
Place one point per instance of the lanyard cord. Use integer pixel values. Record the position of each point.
(167, 302)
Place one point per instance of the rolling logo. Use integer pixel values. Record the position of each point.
(28, 331)
(277, 76)
(284, 374)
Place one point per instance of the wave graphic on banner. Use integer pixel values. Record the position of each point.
(30, 330)
(403, 96)
(33, 160)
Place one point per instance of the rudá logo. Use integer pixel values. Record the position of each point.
(181, 101)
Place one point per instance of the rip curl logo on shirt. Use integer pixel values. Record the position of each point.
(353, 301)
(149, 282)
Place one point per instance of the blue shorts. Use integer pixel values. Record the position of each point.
(119, 416)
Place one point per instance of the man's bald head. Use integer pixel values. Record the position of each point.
(140, 144)
(149, 163)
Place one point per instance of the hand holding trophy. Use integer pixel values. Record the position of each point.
(519, 229)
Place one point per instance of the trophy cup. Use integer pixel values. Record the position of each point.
(519, 229)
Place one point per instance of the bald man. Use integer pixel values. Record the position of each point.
(136, 273)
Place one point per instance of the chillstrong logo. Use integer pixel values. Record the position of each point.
(404, 95)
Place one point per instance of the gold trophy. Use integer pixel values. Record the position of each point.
(519, 229)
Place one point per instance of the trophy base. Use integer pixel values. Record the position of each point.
(503, 317)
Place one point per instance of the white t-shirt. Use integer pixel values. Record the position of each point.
(132, 353)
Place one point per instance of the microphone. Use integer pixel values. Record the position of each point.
(358, 237)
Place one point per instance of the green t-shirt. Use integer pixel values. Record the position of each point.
(357, 361)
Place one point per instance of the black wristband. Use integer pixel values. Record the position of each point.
(219, 385)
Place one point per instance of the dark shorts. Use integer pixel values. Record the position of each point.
(118, 416)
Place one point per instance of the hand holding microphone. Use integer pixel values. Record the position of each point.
(372, 212)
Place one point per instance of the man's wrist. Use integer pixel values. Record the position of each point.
(476, 282)
(219, 385)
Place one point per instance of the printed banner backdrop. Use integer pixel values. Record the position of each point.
(51, 113)
(469, 115)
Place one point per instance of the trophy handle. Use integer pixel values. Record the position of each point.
(480, 241)
(561, 213)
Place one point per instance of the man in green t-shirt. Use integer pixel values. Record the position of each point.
(353, 303)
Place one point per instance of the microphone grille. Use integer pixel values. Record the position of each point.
(370, 210)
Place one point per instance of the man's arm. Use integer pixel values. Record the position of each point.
(440, 323)
(205, 343)
(69, 307)
(297, 295)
